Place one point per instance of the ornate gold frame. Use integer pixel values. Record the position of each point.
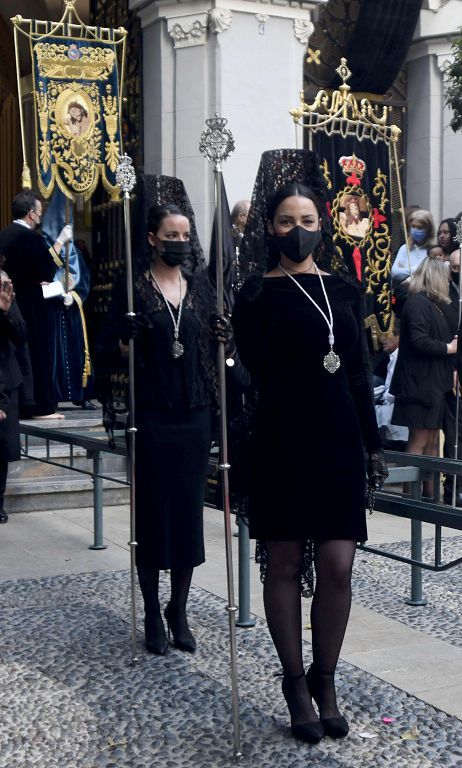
(94, 65)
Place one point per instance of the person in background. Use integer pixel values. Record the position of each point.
(31, 264)
(436, 252)
(239, 215)
(393, 438)
(451, 312)
(424, 369)
(420, 235)
(447, 237)
(12, 341)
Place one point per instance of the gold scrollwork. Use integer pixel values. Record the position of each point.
(44, 144)
(94, 63)
(380, 188)
(111, 119)
(324, 166)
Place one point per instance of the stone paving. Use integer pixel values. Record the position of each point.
(383, 585)
(71, 699)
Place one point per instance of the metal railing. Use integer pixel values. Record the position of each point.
(414, 470)
(403, 468)
(95, 444)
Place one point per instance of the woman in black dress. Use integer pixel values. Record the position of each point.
(173, 398)
(423, 373)
(298, 331)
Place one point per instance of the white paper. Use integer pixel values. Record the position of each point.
(52, 289)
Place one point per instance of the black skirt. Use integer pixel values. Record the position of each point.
(172, 452)
(417, 416)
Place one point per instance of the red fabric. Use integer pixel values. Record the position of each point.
(357, 262)
(378, 218)
(353, 180)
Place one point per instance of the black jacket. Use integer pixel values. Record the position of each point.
(423, 371)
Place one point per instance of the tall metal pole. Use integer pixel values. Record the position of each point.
(216, 145)
(456, 434)
(125, 177)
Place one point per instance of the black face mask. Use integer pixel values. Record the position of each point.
(175, 252)
(455, 276)
(298, 243)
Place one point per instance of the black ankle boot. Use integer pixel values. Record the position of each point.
(311, 731)
(335, 727)
(177, 623)
(154, 632)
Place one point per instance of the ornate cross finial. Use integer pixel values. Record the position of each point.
(217, 141)
(125, 175)
(343, 71)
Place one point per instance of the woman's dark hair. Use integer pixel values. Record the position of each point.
(292, 190)
(157, 214)
(23, 203)
(452, 226)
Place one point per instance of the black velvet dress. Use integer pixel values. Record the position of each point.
(308, 467)
(173, 431)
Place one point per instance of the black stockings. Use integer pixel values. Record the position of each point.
(329, 611)
(281, 597)
(180, 579)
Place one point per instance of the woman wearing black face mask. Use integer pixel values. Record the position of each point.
(173, 396)
(298, 332)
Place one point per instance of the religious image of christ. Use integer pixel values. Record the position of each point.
(76, 120)
(351, 219)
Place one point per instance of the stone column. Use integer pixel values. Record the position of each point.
(240, 58)
(434, 159)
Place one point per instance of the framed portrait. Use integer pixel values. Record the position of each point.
(354, 215)
(74, 113)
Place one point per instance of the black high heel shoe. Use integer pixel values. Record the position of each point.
(183, 639)
(154, 633)
(335, 727)
(311, 731)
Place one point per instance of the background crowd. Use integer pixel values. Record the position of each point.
(415, 385)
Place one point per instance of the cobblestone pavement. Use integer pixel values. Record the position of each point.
(70, 698)
(383, 585)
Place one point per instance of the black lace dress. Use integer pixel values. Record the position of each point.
(173, 399)
(307, 463)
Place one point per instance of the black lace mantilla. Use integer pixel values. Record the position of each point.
(279, 167)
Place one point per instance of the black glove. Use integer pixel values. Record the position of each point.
(130, 327)
(222, 331)
(377, 471)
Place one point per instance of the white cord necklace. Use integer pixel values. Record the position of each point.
(177, 346)
(331, 361)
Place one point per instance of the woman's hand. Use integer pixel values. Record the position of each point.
(222, 331)
(131, 326)
(377, 471)
(6, 295)
(452, 347)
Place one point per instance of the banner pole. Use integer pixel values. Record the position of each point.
(126, 179)
(216, 145)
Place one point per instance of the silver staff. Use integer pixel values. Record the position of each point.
(216, 145)
(126, 179)
(456, 438)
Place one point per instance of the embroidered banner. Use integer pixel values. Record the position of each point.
(358, 179)
(77, 114)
